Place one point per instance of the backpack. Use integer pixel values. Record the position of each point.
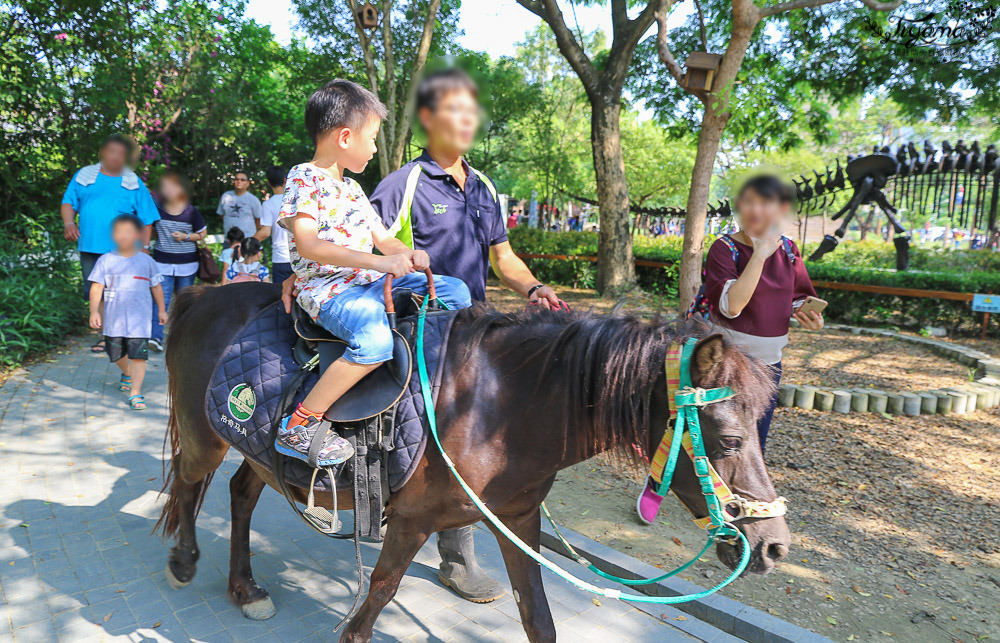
(701, 306)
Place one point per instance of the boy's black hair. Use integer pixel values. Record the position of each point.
(769, 187)
(275, 176)
(234, 235)
(130, 219)
(443, 81)
(249, 247)
(243, 172)
(341, 103)
(119, 139)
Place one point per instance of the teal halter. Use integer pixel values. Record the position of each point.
(688, 400)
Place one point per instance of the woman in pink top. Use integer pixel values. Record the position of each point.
(755, 281)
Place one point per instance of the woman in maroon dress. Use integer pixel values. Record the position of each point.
(755, 281)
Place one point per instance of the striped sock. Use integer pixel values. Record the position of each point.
(301, 415)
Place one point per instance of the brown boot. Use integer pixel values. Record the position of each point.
(459, 569)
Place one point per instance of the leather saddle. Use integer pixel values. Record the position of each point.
(379, 390)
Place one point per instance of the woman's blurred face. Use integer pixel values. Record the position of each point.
(171, 190)
(758, 215)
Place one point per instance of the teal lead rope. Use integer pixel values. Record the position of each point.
(717, 530)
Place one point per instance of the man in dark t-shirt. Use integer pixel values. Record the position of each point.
(439, 203)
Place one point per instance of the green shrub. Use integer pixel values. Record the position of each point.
(40, 298)
(583, 274)
(867, 262)
(876, 253)
(912, 312)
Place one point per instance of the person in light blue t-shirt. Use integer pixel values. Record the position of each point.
(97, 194)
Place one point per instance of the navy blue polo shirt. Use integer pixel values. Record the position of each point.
(455, 227)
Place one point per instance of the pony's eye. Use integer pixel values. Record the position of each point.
(731, 444)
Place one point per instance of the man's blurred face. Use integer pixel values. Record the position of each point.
(113, 157)
(453, 124)
(241, 182)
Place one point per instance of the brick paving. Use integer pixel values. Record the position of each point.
(78, 499)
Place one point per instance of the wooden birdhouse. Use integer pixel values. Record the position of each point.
(368, 16)
(700, 70)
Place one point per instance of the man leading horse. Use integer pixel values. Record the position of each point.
(441, 204)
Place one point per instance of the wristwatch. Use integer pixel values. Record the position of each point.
(532, 290)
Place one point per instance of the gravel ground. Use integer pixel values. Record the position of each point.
(834, 359)
(894, 519)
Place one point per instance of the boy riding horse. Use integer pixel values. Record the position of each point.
(440, 204)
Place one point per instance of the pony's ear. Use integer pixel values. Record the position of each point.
(708, 353)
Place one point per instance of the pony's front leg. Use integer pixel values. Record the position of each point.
(526, 576)
(402, 542)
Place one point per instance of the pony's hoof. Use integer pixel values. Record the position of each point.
(175, 582)
(259, 610)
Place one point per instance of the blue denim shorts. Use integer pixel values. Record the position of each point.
(358, 317)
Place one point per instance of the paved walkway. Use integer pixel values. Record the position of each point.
(78, 499)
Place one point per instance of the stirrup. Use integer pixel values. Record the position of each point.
(320, 517)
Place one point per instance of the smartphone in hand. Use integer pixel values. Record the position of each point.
(813, 304)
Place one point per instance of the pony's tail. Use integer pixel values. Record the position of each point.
(169, 521)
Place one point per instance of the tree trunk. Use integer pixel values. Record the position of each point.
(713, 122)
(615, 269)
(712, 125)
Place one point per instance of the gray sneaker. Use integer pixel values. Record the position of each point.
(295, 442)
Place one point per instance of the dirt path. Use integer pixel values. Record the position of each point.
(894, 519)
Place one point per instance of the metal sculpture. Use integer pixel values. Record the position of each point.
(963, 181)
(959, 185)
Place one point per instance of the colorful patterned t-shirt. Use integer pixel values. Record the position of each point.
(344, 217)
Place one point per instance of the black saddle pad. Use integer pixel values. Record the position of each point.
(248, 380)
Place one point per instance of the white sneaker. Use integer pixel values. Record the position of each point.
(156, 345)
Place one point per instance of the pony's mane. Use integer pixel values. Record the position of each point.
(611, 364)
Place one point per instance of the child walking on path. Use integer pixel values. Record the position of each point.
(339, 280)
(129, 282)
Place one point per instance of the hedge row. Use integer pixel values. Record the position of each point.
(40, 302)
(846, 306)
(583, 274)
(876, 253)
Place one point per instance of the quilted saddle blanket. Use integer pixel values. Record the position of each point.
(247, 384)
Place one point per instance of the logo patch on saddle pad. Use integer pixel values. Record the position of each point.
(242, 402)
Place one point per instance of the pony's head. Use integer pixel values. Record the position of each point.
(729, 428)
(607, 374)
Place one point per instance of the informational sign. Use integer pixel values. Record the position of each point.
(986, 303)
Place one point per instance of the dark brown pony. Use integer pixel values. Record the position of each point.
(523, 396)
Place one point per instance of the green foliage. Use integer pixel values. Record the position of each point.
(39, 293)
(975, 271)
(875, 253)
(200, 87)
(580, 273)
(908, 312)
